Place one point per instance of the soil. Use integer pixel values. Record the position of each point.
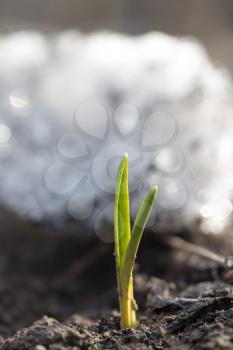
(57, 292)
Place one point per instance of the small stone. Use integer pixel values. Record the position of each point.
(40, 347)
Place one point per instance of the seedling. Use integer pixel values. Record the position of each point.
(126, 243)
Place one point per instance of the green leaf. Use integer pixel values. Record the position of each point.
(121, 212)
(138, 228)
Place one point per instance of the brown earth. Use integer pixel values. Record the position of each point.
(58, 293)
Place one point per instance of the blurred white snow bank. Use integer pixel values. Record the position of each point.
(71, 104)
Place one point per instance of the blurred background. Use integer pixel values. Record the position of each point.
(211, 21)
(167, 96)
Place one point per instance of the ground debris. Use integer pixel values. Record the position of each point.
(201, 310)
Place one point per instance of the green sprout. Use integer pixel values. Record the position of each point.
(126, 243)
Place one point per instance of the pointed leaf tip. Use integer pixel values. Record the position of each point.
(154, 189)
